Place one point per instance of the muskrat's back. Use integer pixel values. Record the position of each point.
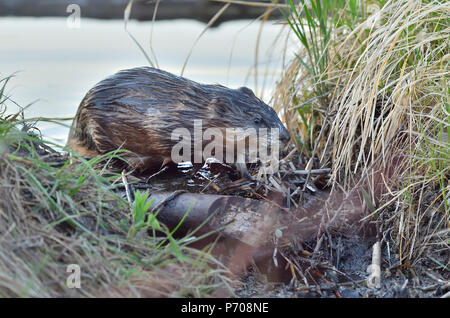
(138, 109)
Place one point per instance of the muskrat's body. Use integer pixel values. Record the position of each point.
(138, 109)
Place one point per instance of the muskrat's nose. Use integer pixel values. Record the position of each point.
(284, 135)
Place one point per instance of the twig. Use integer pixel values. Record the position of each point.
(210, 23)
(446, 295)
(151, 32)
(374, 279)
(318, 245)
(313, 154)
(157, 173)
(277, 205)
(126, 17)
(211, 182)
(309, 101)
(306, 172)
(446, 286)
(434, 277)
(296, 266)
(127, 187)
(289, 155)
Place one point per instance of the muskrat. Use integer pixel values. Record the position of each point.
(138, 109)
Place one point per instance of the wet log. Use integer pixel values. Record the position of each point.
(248, 231)
(244, 228)
(254, 222)
(247, 220)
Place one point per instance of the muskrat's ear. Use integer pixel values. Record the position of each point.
(222, 105)
(247, 91)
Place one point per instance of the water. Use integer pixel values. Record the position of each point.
(57, 65)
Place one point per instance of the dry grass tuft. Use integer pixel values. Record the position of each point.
(382, 101)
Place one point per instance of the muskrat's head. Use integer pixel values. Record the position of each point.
(240, 108)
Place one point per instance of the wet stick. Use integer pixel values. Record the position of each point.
(374, 279)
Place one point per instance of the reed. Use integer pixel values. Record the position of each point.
(373, 76)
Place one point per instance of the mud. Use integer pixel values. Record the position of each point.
(349, 259)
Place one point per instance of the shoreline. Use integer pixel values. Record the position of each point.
(201, 10)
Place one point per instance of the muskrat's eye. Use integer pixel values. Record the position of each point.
(257, 121)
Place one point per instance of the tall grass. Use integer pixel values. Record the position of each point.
(374, 78)
(315, 25)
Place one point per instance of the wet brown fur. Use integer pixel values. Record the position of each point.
(137, 110)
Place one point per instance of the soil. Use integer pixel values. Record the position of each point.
(351, 257)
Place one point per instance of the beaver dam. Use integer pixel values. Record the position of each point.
(359, 206)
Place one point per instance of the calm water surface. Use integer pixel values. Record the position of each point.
(57, 65)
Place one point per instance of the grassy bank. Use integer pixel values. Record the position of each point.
(57, 210)
(368, 96)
